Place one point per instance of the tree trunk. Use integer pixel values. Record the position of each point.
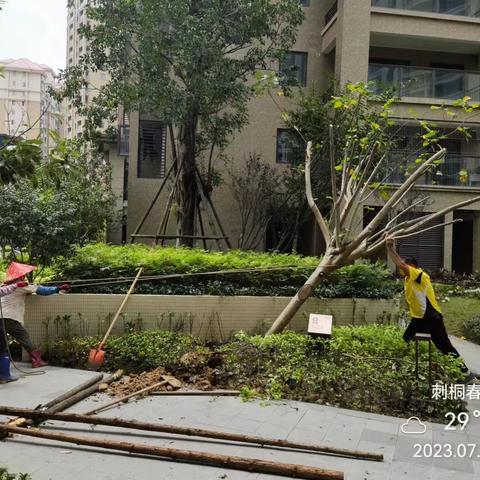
(329, 263)
(188, 184)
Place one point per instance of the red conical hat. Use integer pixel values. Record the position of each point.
(18, 270)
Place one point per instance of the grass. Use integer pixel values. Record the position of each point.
(457, 310)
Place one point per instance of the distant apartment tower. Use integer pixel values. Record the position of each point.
(25, 103)
(77, 46)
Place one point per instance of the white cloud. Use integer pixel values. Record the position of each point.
(35, 29)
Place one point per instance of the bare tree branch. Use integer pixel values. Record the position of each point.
(311, 201)
(428, 218)
(336, 199)
(398, 195)
(416, 232)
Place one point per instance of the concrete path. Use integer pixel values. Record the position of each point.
(290, 420)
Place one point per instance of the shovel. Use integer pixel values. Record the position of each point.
(97, 355)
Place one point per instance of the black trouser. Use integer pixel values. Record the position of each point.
(3, 342)
(432, 323)
(18, 332)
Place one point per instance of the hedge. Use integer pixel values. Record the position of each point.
(368, 368)
(361, 280)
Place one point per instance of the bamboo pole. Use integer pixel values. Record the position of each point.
(200, 393)
(126, 397)
(194, 432)
(95, 379)
(86, 393)
(67, 401)
(214, 459)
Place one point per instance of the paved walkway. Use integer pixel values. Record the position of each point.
(292, 420)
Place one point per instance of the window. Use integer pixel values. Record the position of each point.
(290, 147)
(293, 68)
(151, 149)
(305, 3)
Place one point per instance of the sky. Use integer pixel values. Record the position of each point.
(35, 29)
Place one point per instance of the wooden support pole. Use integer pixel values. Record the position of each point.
(214, 211)
(214, 459)
(95, 379)
(192, 432)
(67, 400)
(200, 393)
(126, 397)
(152, 203)
(200, 223)
(59, 407)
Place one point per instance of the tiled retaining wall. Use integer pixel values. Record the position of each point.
(206, 317)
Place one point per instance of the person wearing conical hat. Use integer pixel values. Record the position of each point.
(5, 375)
(13, 308)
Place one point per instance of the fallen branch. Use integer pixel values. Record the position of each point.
(214, 459)
(193, 432)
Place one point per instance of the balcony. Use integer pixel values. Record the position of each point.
(458, 170)
(464, 8)
(332, 11)
(424, 82)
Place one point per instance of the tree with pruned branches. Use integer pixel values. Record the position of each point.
(360, 170)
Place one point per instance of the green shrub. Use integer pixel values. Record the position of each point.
(471, 329)
(364, 280)
(4, 475)
(366, 368)
(133, 352)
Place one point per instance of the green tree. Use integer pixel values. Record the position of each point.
(189, 63)
(358, 154)
(67, 201)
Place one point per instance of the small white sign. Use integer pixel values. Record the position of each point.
(320, 324)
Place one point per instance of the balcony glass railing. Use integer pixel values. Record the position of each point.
(458, 170)
(465, 8)
(423, 82)
(332, 11)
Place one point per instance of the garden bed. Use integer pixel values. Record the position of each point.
(368, 368)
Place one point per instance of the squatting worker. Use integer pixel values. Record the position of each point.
(424, 309)
(13, 308)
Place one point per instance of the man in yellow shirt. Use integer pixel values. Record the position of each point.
(424, 309)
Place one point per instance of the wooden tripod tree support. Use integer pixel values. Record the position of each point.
(194, 432)
(223, 461)
(212, 215)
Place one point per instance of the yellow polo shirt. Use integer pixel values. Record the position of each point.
(419, 289)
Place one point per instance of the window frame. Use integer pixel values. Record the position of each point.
(161, 153)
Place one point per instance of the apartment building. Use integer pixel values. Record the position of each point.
(25, 103)
(76, 47)
(427, 50)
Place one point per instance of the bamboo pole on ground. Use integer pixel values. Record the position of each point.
(214, 459)
(95, 379)
(86, 393)
(194, 432)
(126, 397)
(200, 393)
(67, 401)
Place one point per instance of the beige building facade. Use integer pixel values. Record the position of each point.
(25, 103)
(77, 46)
(428, 50)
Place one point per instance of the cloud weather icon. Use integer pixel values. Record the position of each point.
(413, 426)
